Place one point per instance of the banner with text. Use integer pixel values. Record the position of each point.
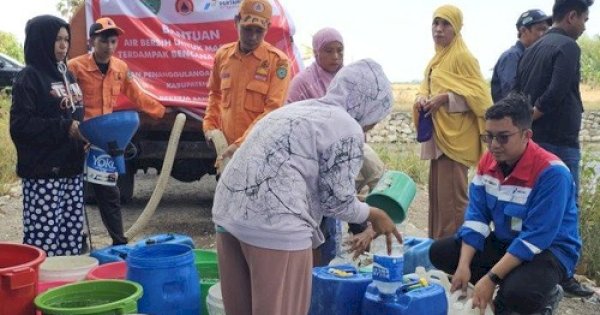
(169, 45)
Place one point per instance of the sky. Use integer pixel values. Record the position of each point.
(395, 33)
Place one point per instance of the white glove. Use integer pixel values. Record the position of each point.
(217, 137)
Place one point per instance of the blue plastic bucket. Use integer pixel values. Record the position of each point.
(169, 278)
(166, 238)
(339, 293)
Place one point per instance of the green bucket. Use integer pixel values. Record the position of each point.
(393, 194)
(97, 297)
(207, 265)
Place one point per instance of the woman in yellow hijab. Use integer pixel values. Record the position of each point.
(454, 96)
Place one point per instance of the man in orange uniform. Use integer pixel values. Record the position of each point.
(250, 78)
(103, 78)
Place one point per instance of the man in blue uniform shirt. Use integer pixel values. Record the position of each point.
(529, 195)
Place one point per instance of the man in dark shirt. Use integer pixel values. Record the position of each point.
(549, 73)
(531, 25)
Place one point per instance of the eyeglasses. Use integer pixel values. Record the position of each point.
(501, 138)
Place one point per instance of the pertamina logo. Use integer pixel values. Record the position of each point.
(210, 5)
(153, 5)
(184, 7)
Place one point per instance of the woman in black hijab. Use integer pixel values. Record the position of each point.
(44, 126)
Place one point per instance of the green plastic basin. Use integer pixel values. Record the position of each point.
(207, 264)
(98, 297)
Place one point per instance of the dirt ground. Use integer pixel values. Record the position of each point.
(185, 208)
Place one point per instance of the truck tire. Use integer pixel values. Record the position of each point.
(189, 170)
(126, 183)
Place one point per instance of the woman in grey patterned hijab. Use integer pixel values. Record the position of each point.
(296, 165)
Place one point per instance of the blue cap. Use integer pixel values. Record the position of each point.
(531, 17)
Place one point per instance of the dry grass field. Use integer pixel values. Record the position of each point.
(405, 93)
(590, 97)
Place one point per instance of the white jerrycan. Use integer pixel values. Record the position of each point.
(459, 304)
(435, 276)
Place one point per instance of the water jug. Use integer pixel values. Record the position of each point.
(430, 300)
(461, 304)
(388, 269)
(416, 253)
(337, 290)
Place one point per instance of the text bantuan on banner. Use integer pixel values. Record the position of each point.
(169, 45)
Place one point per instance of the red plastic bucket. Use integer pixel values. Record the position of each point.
(19, 267)
(115, 270)
(45, 286)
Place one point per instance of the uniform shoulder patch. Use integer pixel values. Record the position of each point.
(281, 71)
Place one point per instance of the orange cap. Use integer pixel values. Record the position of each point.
(104, 24)
(255, 12)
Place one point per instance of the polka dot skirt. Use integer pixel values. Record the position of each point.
(53, 214)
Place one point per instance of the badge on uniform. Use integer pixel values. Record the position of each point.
(262, 72)
(281, 71)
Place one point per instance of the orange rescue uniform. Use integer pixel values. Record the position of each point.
(243, 88)
(100, 91)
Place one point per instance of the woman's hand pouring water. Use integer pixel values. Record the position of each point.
(361, 242)
(383, 224)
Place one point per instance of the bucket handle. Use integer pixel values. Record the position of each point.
(20, 278)
(160, 239)
(122, 253)
(120, 311)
